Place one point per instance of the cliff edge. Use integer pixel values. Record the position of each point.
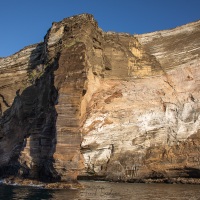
(100, 104)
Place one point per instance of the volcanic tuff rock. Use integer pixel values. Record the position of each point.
(90, 103)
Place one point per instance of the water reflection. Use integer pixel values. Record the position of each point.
(104, 191)
(32, 193)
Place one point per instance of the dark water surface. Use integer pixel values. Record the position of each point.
(105, 191)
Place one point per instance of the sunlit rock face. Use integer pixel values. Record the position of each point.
(146, 124)
(90, 103)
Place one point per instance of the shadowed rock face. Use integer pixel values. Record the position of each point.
(89, 103)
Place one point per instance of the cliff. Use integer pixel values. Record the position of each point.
(95, 104)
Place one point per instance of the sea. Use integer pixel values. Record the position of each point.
(104, 191)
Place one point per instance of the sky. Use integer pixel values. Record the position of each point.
(25, 22)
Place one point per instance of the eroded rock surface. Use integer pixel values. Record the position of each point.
(90, 103)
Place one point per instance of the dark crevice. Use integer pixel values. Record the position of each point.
(4, 101)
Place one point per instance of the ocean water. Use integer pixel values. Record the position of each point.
(105, 191)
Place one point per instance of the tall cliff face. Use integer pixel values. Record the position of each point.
(85, 102)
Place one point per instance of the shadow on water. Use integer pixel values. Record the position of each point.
(34, 193)
(23, 193)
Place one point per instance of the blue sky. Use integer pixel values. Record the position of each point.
(25, 22)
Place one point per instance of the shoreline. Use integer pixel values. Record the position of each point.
(43, 185)
(77, 185)
(191, 181)
(169, 180)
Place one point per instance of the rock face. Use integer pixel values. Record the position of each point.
(90, 103)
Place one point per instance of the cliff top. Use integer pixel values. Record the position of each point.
(89, 17)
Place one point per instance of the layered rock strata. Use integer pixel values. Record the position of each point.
(113, 105)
